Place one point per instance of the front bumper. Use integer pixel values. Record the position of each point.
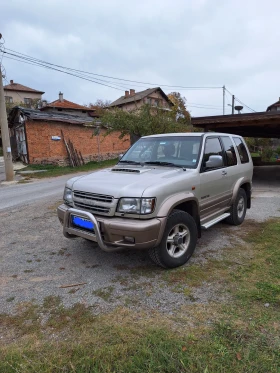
(110, 233)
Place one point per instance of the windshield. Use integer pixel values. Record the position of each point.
(180, 151)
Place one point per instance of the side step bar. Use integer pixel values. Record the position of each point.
(214, 221)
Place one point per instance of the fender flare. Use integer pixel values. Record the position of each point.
(170, 204)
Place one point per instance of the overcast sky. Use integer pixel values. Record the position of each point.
(207, 43)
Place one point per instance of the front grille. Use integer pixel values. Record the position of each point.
(94, 203)
(100, 209)
(93, 196)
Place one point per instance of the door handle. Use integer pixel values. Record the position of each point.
(224, 173)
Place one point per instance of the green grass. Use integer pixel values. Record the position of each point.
(58, 171)
(241, 334)
(255, 155)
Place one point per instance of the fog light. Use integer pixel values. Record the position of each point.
(129, 239)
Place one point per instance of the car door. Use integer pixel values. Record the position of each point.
(215, 193)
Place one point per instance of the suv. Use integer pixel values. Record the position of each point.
(161, 194)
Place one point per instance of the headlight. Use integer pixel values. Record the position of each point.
(67, 196)
(136, 205)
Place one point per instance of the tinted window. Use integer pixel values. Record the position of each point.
(212, 147)
(230, 151)
(244, 157)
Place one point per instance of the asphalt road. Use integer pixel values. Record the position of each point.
(21, 194)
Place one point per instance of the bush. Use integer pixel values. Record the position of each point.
(267, 154)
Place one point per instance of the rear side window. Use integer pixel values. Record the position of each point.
(212, 147)
(244, 157)
(230, 151)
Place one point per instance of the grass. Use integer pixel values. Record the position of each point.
(255, 154)
(52, 170)
(239, 335)
(104, 293)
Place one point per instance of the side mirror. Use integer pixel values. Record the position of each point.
(120, 156)
(215, 161)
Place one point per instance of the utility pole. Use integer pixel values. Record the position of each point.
(232, 105)
(224, 94)
(5, 135)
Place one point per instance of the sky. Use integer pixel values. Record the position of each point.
(190, 43)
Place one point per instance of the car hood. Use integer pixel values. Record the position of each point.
(127, 181)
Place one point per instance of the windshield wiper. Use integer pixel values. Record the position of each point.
(130, 162)
(164, 164)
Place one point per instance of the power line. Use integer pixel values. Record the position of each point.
(65, 72)
(242, 103)
(25, 56)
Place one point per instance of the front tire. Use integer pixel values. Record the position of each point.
(238, 209)
(178, 241)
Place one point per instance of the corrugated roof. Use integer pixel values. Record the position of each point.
(21, 88)
(65, 104)
(33, 114)
(246, 117)
(138, 96)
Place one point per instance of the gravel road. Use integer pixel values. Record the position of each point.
(37, 261)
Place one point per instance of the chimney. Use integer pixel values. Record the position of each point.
(44, 103)
(126, 94)
(60, 95)
(11, 82)
(132, 92)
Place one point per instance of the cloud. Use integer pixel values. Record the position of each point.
(189, 43)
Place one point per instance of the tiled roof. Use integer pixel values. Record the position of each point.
(21, 88)
(138, 96)
(65, 104)
(276, 104)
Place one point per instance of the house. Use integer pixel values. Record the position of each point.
(274, 107)
(18, 93)
(67, 107)
(37, 137)
(134, 100)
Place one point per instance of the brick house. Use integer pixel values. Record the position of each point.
(36, 137)
(274, 107)
(18, 93)
(134, 100)
(68, 107)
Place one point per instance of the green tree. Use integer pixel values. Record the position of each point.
(143, 121)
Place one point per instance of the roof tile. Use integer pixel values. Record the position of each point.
(65, 104)
(21, 88)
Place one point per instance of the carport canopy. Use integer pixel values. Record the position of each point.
(262, 124)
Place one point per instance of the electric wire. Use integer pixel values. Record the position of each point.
(85, 75)
(21, 55)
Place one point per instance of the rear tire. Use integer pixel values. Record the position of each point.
(238, 209)
(178, 241)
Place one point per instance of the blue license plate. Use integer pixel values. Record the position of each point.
(82, 223)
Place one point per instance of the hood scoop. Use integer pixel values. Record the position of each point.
(130, 170)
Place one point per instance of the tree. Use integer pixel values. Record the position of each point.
(34, 104)
(99, 106)
(179, 107)
(143, 121)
